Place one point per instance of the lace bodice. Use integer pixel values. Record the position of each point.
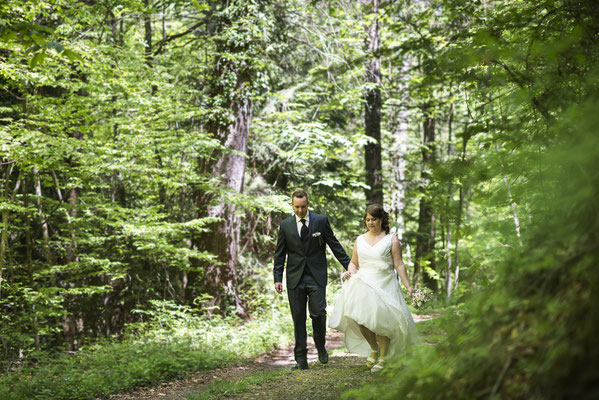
(376, 257)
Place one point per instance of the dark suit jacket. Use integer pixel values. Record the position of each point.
(310, 255)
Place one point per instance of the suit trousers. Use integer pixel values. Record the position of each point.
(310, 293)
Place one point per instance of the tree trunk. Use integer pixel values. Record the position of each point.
(426, 219)
(372, 109)
(72, 252)
(448, 275)
(147, 33)
(399, 150)
(43, 219)
(223, 240)
(456, 262)
(30, 272)
(232, 91)
(5, 218)
(511, 200)
(4, 233)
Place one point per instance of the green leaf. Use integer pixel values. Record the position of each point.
(37, 38)
(8, 35)
(71, 55)
(33, 48)
(56, 46)
(37, 59)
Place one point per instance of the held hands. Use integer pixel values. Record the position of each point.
(351, 269)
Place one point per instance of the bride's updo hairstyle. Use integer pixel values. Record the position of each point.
(377, 211)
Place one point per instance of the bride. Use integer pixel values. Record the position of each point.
(371, 310)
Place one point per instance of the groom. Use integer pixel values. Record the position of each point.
(302, 240)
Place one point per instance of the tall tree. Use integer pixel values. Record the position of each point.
(237, 78)
(398, 127)
(372, 104)
(426, 218)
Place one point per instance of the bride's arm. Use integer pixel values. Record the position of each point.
(399, 265)
(353, 266)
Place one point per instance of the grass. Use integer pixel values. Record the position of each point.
(223, 387)
(318, 382)
(432, 331)
(343, 377)
(178, 346)
(108, 368)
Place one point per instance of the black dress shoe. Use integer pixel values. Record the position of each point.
(323, 357)
(300, 365)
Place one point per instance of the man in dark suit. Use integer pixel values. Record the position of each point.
(302, 241)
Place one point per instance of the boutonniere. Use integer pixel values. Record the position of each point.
(317, 235)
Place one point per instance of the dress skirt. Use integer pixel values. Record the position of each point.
(372, 297)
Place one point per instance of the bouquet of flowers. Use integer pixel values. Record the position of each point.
(421, 296)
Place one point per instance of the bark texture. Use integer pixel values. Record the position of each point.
(232, 91)
(426, 218)
(372, 108)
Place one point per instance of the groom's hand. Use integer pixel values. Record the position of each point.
(279, 287)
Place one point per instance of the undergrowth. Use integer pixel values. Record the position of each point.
(174, 344)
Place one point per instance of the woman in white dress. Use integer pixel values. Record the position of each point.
(371, 310)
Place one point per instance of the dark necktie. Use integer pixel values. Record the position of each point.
(304, 230)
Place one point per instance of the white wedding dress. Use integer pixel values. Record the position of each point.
(372, 297)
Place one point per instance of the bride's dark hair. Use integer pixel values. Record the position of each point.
(377, 211)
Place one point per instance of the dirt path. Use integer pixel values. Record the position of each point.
(344, 371)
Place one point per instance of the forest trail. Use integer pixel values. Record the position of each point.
(271, 377)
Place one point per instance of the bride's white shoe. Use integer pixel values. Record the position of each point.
(372, 358)
(378, 367)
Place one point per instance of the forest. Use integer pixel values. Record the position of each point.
(149, 148)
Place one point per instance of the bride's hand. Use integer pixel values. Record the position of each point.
(346, 275)
(410, 292)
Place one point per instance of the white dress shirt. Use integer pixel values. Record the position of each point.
(299, 223)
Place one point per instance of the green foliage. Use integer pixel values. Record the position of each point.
(101, 151)
(172, 344)
(104, 146)
(528, 330)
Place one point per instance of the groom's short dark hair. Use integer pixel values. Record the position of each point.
(299, 194)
